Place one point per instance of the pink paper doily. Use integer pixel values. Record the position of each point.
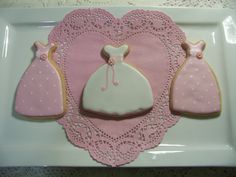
(155, 42)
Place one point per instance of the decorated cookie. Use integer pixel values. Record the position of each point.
(117, 88)
(41, 90)
(194, 88)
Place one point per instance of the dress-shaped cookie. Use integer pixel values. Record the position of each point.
(194, 89)
(41, 90)
(116, 88)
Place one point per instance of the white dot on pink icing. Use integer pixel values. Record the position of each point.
(40, 72)
(191, 76)
(185, 82)
(46, 93)
(206, 90)
(24, 85)
(31, 93)
(196, 69)
(54, 85)
(208, 102)
(203, 76)
(198, 83)
(176, 101)
(183, 93)
(40, 85)
(47, 78)
(192, 88)
(40, 101)
(55, 100)
(31, 108)
(22, 101)
(211, 84)
(194, 102)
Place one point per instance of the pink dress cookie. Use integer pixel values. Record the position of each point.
(194, 89)
(41, 90)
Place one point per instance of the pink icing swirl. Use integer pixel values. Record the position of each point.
(199, 55)
(43, 57)
(111, 61)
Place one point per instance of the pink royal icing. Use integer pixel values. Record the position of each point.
(195, 89)
(155, 42)
(40, 91)
(110, 65)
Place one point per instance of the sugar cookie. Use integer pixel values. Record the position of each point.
(194, 89)
(117, 88)
(41, 90)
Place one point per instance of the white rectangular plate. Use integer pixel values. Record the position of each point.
(192, 142)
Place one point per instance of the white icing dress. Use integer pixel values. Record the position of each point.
(117, 89)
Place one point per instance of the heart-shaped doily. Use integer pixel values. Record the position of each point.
(155, 49)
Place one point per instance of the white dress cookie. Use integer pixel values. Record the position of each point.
(117, 89)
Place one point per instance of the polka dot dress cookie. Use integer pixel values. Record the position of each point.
(41, 90)
(194, 89)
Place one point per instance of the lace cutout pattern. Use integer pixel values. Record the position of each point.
(148, 132)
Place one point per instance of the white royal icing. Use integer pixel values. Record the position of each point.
(117, 89)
